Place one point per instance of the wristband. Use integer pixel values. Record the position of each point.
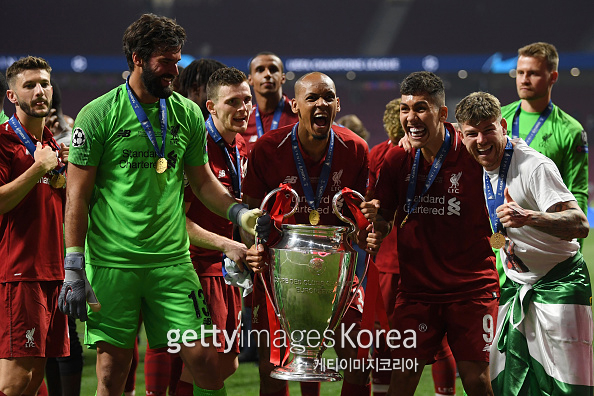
(235, 211)
(75, 249)
(74, 261)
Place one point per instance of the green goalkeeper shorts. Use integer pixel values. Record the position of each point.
(170, 299)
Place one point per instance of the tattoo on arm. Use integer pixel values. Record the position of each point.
(564, 220)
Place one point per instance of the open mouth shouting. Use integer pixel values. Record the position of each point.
(321, 120)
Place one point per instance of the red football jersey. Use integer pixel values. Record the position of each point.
(443, 249)
(271, 163)
(386, 258)
(251, 133)
(32, 238)
(209, 262)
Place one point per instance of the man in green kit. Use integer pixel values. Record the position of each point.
(125, 215)
(543, 125)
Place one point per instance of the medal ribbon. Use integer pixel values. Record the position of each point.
(146, 124)
(435, 167)
(535, 128)
(28, 143)
(275, 118)
(234, 172)
(494, 200)
(312, 201)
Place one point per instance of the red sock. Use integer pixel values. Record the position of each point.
(177, 366)
(310, 388)
(349, 389)
(444, 376)
(42, 390)
(184, 389)
(282, 392)
(131, 380)
(157, 368)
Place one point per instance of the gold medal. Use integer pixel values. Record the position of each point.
(58, 180)
(161, 165)
(497, 240)
(314, 217)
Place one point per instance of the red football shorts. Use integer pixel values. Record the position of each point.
(389, 288)
(470, 328)
(31, 324)
(224, 304)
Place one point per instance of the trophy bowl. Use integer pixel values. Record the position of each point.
(312, 273)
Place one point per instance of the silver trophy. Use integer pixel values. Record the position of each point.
(312, 271)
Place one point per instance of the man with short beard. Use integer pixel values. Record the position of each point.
(31, 237)
(130, 149)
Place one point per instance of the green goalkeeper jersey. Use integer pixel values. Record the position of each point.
(136, 215)
(561, 138)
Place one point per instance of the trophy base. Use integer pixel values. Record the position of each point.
(305, 370)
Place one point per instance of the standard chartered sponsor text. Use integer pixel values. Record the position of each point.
(133, 159)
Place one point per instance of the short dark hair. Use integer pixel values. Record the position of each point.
(28, 63)
(424, 82)
(226, 76)
(198, 72)
(150, 34)
(543, 50)
(267, 53)
(478, 107)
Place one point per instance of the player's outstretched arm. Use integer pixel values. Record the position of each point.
(203, 238)
(564, 220)
(218, 200)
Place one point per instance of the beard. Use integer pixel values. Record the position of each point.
(152, 82)
(26, 108)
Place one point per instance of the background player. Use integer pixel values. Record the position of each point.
(211, 236)
(273, 108)
(542, 124)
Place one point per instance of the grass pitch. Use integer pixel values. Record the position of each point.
(245, 380)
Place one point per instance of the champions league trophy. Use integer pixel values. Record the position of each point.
(312, 271)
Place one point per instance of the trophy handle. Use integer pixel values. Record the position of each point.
(271, 193)
(352, 226)
(293, 210)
